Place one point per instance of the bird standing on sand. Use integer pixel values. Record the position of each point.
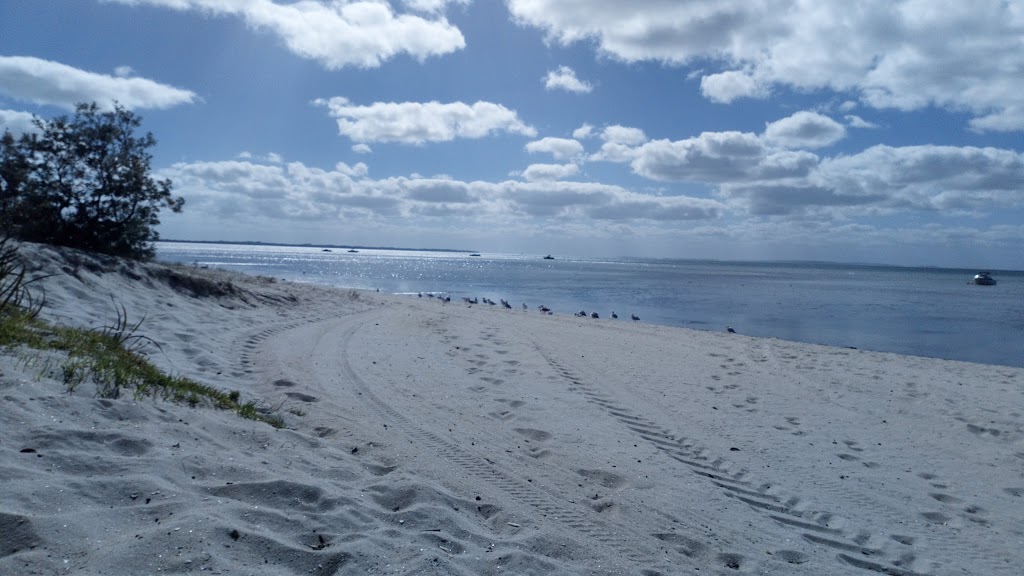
(614, 315)
(634, 317)
(730, 330)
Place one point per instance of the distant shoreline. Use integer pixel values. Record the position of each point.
(796, 263)
(307, 245)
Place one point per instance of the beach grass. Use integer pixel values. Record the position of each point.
(112, 357)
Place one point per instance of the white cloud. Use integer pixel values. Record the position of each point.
(724, 87)
(559, 148)
(564, 78)
(546, 172)
(46, 82)
(623, 135)
(886, 180)
(903, 54)
(339, 33)
(620, 144)
(432, 6)
(614, 152)
(930, 177)
(360, 170)
(804, 130)
(16, 122)
(124, 71)
(855, 121)
(421, 122)
(583, 132)
(719, 157)
(362, 149)
(242, 191)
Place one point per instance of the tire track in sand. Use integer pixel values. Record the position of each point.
(853, 547)
(575, 517)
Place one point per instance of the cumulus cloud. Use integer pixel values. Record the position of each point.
(421, 122)
(432, 6)
(559, 148)
(45, 82)
(724, 87)
(626, 135)
(362, 33)
(620, 144)
(16, 122)
(719, 157)
(902, 54)
(804, 130)
(248, 191)
(583, 132)
(930, 177)
(545, 172)
(564, 78)
(855, 121)
(614, 152)
(886, 180)
(362, 149)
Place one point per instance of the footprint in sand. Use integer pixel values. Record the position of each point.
(534, 435)
(301, 397)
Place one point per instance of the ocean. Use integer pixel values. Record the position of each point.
(934, 312)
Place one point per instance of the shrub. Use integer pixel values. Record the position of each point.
(84, 181)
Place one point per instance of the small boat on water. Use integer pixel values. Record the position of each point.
(474, 254)
(549, 257)
(984, 279)
(353, 251)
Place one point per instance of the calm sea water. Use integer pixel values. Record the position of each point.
(918, 311)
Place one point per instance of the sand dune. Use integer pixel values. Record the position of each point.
(431, 438)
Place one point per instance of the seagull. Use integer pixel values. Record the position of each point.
(614, 315)
(634, 317)
(730, 330)
(524, 306)
(594, 315)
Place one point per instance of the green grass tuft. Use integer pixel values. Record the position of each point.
(113, 358)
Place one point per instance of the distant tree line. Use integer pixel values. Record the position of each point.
(84, 181)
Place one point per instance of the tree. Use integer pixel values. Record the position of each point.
(14, 171)
(88, 183)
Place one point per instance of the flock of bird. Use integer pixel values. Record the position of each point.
(505, 304)
(543, 309)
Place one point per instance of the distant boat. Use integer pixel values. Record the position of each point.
(549, 257)
(984, 279)
(474, 254)
(353, 251)
(326, 250)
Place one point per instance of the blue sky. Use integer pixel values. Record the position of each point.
(876, 131)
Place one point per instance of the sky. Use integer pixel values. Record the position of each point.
(885, 131)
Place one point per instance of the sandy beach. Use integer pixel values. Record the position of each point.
(425, 437)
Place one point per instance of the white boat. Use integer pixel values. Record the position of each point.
(984, 279)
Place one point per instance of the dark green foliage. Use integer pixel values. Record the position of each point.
(84, 181)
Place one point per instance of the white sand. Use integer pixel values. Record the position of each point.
(430, 438)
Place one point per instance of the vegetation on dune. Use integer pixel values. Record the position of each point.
(84, 181)
(113, 358)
